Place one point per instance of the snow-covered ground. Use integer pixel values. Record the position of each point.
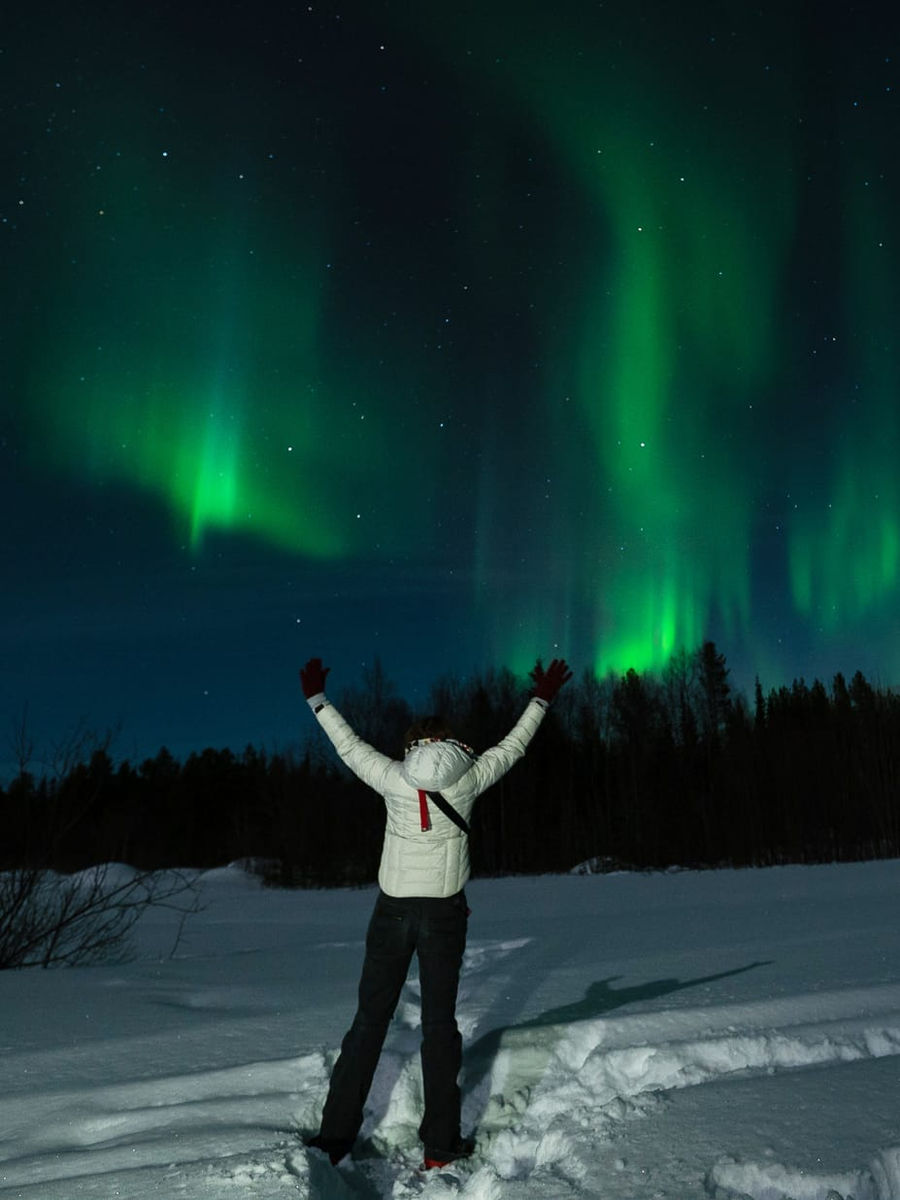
(685, 1035)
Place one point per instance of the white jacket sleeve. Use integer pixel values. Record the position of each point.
(369, 764)
(494, 763)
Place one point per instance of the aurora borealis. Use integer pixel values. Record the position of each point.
(452, 334)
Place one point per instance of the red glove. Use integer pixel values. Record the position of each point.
(547, 683)
(312, 677)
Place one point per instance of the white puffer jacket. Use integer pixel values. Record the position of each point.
(433, 862)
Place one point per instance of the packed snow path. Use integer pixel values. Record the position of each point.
(689, 1035)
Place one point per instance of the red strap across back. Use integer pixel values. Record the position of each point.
(424, 816)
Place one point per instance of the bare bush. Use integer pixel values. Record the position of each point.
(52, 920)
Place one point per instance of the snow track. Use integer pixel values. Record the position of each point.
(678, 1055)
(75, 1134)
(555, 1092)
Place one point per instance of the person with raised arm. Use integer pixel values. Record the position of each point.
(421, 905)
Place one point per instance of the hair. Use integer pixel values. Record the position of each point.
(433, 726)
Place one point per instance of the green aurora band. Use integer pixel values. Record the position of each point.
(845, 553)
(206, 367)
(187, 379)
(196, 359)
(679, 333)
(667, 349)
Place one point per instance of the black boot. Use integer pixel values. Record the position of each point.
(436, 1156)
(335, 1148)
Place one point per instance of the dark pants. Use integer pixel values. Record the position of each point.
(436, 930)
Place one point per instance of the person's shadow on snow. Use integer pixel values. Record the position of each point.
(599, 999)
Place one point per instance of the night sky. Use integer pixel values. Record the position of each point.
(451, 334)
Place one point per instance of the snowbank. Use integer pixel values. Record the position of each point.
(719, 1034)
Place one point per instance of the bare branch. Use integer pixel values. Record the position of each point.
(21, 743)
(49, 920)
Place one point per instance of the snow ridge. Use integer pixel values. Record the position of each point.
(554, 1092)
(773, 1078)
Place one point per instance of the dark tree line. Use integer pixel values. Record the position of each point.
(639, 770)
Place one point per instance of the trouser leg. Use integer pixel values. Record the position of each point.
(442, 941)
(389, 946)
